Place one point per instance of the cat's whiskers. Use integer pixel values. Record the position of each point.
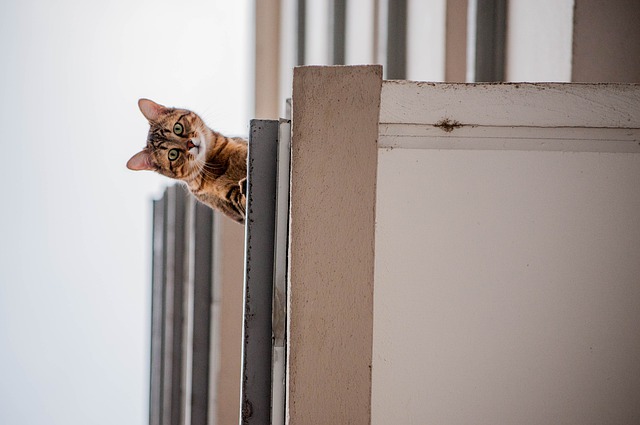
(192, 174)
(208, 170)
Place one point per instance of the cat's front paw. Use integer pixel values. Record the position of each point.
(243, 186)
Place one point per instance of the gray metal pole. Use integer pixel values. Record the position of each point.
(259, 256)
(175, 238)
(202, 232)
(491, 35)
(397, 40)
(157, 312)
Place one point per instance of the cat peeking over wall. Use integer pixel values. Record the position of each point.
(181, 146)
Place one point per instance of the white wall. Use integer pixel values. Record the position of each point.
(317, 33)
(507, 272)
(426, 40)
(539, 40)
(506, 288)
(267, 58)
(360, 32)
(287, 51)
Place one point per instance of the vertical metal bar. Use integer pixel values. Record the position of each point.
(179, 280)
(173, 305)
(202, 295)
(338, 20)
(301, 29)
(181, 294)
(380, 33)
(279, 315)
(167, 311)
(491, 30)
(187, 322)
(258, 291)
(157, 290)
(397, 39)
(215, 325)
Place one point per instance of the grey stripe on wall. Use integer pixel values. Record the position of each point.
(301, 29)
(338, 22)
(396, 68)
(491, 34)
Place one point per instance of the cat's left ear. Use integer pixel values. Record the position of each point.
(140, 161)
(150, 109)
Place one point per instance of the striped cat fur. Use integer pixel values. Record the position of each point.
(182, 147)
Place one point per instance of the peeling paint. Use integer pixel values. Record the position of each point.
(448, 125)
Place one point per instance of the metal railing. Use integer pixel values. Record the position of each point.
(185, 324)
(262, 390)
(181, 309)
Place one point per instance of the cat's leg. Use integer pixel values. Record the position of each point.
(233, 204)
(222, 205)
(236, 197)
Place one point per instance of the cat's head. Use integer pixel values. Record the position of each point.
(176, 143)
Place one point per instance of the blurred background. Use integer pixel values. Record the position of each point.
(75, 224)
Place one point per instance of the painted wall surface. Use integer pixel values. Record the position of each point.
(507, 272)
(426, 40)
(317, 30)
(509, 291)
(360, 32)
(267, 60)
(539, 40)
(230, 282)
(456, 41)
(288, 42)
(606, 41)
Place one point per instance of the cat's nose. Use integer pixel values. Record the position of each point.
(190, 145)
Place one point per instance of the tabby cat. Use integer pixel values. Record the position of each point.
(181, 146)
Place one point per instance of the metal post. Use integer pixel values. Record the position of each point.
(338, 20)
(397, 40)
(157, 312)
(201, 280)
(279, 321)
(173, 304)
(301, 29)
(259, 256)
(491, 34)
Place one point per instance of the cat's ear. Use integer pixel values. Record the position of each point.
(141, 161)
(150, 109)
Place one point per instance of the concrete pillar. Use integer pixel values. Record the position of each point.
(331, 255)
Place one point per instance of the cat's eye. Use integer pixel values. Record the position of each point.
(173, 154)
(178, 129)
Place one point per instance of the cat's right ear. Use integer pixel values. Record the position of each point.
(141, 161)
(150, 109)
